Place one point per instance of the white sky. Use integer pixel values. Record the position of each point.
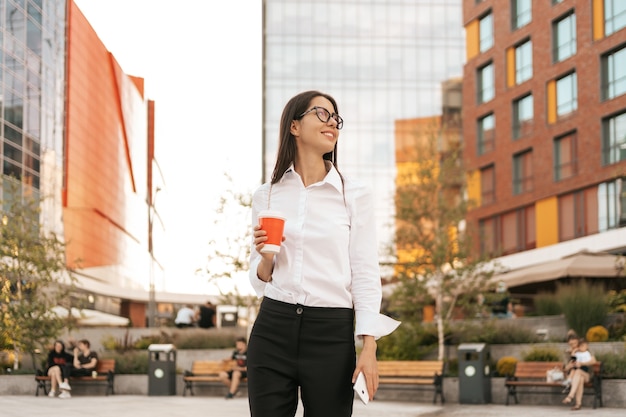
(201, 61)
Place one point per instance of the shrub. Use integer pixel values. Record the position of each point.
(613, 365)
(546, 304)
(506, 366)
(543, 354)
(584, 305)
(597, 334)
(129, 362)
(617, 328)
(493, 332)
(410, 341)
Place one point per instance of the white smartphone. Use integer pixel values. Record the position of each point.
(361, 388)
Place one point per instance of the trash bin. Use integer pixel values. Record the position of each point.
(162, 369)
(227, 316)
(474, 373)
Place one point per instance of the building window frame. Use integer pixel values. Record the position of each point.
(523, 61)
(522, 172)
(485, 140)
(566, 94)
(614, 139)
(612, 204)
(486, 83)
(488, 185)
(565, 156)
(613, 73)
(564, 37)
(485, 32)
(523, 113)
(521, 13)
(614, 16)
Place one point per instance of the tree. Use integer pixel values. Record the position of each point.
(433, 249)
(33, 274)
(229, 256)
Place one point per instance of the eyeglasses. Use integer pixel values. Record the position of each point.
(324, 115)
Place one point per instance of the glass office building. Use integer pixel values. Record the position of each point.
(382, 60)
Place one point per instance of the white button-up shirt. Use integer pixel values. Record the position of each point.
(329, 257)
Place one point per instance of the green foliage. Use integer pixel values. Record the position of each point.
(493, 332)
(613, 365)
(409, 341)
(129, 362)
(181, 339)
(33, 273)
(546, 304)
(506, 366)
(584, 305)
(617, 301)
(543, 354)
(452, 368)
(617, 328)
(597, 334)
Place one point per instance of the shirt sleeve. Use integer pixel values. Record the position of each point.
(259, 199)
(366, 285)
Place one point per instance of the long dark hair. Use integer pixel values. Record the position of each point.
(287, 144)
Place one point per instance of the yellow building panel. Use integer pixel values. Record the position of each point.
(551, 98)
(472, 39)
(598, 19)
(510, 67)
(546, 222)
(473, 187)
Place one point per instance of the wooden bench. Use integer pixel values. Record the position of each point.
(418, 373)
(205, 371)
(106, 374)
(533, 374)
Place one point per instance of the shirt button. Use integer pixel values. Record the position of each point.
(299, 310)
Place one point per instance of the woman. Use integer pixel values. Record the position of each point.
(325, 276)
(579, 370)
(58, 368)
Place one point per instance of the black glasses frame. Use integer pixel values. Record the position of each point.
(322, 113)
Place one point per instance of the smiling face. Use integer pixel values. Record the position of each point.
(312, 134)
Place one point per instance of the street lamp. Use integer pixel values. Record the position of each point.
(152, 294)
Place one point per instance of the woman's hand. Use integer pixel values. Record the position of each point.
(266, 266)
(368, 365)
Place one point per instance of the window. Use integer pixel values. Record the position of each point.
(488, 229)
(486, 134)
(566, 95)
(487, 185)
(565, 159)
(522, 116)
(523, 62)
(612, 204)
(614, 139)
(556, 1)
(486, 88)
(614, 74)
(521, 13)
(614, 16)
(577, 214)
(522, 172)
(564, 37)
(486, 32)
(517, 230)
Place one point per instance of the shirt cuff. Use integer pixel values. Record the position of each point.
(374, 324)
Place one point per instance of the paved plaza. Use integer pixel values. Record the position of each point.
(177, 406)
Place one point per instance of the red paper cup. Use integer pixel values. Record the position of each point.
(273, 222)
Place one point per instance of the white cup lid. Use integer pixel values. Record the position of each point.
(275, 214)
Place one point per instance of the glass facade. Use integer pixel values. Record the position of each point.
(32, 81)
(382, 60)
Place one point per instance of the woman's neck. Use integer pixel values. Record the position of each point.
(311, 170)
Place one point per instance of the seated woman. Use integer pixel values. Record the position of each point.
(58, 368)
(581, 368)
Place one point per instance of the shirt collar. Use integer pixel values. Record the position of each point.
(332, 176)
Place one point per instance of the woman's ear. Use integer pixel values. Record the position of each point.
(293, 129)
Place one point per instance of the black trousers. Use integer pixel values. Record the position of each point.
(310, 349)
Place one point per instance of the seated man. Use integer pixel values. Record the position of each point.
(84, 363)
(233, 378)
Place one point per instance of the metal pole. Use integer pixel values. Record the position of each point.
(152, 295)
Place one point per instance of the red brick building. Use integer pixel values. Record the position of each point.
(544, 126)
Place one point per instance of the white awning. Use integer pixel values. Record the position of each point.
(87, 317)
